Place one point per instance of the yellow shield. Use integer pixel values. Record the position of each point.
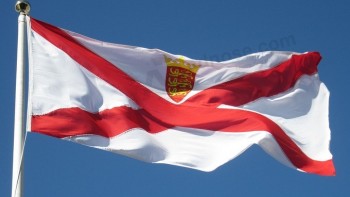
(180, 78)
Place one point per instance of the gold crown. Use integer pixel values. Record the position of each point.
(180, 62)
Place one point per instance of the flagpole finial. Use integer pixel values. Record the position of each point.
(22, 7)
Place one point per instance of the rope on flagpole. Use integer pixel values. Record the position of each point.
(18, 176)
(23, 8)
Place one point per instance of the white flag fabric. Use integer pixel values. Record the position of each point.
(163, 108)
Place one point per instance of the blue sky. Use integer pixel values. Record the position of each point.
(212, 30)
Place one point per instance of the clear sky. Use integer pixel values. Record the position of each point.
(211, 30)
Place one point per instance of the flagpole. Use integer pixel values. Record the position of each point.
(22, 7)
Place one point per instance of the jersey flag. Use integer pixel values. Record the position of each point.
(163, 108)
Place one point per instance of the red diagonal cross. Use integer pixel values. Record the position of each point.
(200, 111)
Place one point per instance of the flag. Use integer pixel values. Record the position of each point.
(158, 107)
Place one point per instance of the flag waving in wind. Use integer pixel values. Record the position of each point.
(163, 108)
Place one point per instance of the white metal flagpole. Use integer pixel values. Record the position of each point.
(23, 8)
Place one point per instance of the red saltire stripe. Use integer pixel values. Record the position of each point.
(109, 123)
(259, 84)
(144, 97)
(236, 92)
